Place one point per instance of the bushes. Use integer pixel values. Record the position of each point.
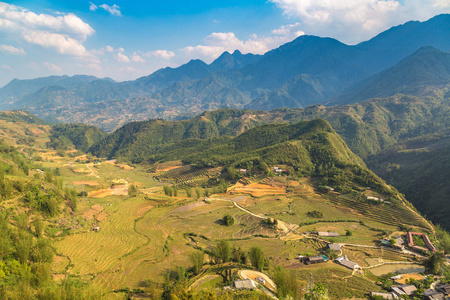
(228, 220)
(314, 214)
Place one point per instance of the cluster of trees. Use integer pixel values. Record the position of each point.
(25, 263)
(224, 251)
(172, 191)
(314, 214)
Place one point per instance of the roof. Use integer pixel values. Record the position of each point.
(425, 238)
(408, 289)
(398, 291)
(433, 295)
(388, 296)
(245, 284)
(326, 233)
(445, 288)
(316, 258)
(349, 264)
(335, 247)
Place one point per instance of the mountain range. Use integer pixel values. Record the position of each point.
(306, 71)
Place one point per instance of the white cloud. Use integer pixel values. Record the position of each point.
(353, 21)
(61, 43)
(22, 19)
(136, 58)
(92, 6)
(218, 42)
(53, 67)
(12, 50)
(160, 54)
(109, 49)
(64, 33)
(122, 58)
(114, 9)
(5, 67)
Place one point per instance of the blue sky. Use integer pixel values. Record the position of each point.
(128, 39)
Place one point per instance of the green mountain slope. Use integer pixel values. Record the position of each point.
(21, 116)
(419, 74)
(78, 136)
(419, 168)
(308, 148)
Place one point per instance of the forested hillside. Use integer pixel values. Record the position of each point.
(30, 205)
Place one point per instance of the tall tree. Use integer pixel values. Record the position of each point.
(197, 261)
(256, 256)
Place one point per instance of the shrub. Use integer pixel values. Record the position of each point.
(314, 214)
(228, 220)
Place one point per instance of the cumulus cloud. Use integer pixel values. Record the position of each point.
(353, 21)
(136, 58)
(114, 9)
(122, 58)
(64, 33)
(160, 54)
(218, 42)
(11, 50)
(61, 43)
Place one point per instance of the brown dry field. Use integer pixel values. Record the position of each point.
(86, 182)
(92, 212)
(169, 166)
(257, 189)
(118, 190)
(415, 276)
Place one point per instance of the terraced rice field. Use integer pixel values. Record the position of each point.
(96, 252)
(386, 214)
(182, 175)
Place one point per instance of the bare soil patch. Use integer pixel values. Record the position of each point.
(415, 276)
(118, 190)
(86, 182)
(92, 212)
(250, 274)
(101, 216)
